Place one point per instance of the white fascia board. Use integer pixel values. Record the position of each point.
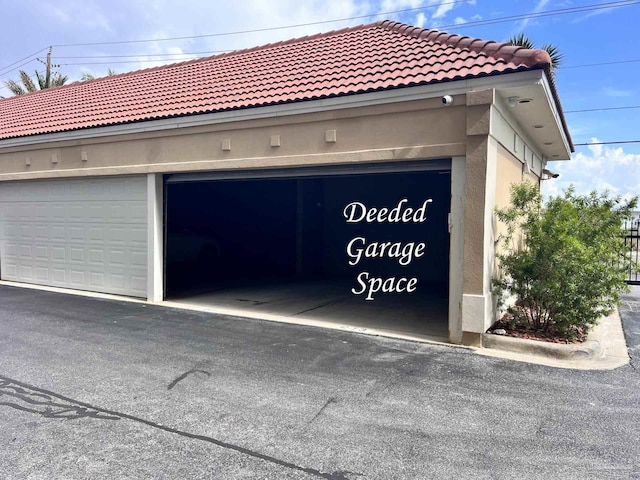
(406, 94)
(556, 115)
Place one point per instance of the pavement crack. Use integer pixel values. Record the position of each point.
(185, 375)
(376, 388)
(11, 387)
(326, 404)
(26, 399)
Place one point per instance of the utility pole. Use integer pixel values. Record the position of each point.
(48, 71)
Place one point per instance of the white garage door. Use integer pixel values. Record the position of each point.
(86, 234)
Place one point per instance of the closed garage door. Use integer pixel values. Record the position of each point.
(86, 234)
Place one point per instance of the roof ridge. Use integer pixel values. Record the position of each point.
(298, 39)
(498, 50)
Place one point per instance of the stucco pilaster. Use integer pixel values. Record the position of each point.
(478, 209)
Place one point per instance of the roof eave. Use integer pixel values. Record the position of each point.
(409, 93)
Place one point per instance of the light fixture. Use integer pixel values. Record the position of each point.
(512, 101)
(515, 100)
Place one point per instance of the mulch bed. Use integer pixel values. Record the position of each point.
(531, 334)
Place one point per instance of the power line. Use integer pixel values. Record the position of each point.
(147, 54)
(601, 109)
(606, 143)
(599, 64)
(210, 52)
(173, 60)
(266, 29)
(22, 59)
(548, 13)
(562, 11)
(613, 4)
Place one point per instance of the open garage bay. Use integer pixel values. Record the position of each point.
(366, 251)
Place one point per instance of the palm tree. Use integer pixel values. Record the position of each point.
(90, 76)
(44, 81)
(521, 40)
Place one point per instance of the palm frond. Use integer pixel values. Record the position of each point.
(554, 53)
(29, 86)
(58, 80)
(521, 40)
(42, 81)
(14, 87)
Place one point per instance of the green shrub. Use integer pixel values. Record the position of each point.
(561, 261)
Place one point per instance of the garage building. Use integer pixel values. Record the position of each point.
(226, 181)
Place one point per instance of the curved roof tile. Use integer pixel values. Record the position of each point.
(382, 55)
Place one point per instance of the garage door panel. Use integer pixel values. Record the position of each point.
(139, 282)
(41, 232)
(59, 275)
(42, 274)
(58, 253)
(42, 252)
(87, 234)
(11, 250)
(26, 271)
(138, 236)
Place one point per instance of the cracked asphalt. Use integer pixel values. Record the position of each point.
(93, 388)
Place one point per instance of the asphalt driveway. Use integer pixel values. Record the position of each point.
(630, 315)
(94, 388)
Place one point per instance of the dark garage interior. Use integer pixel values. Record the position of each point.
(280, 245)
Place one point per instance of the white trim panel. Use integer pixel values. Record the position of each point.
(456, 248)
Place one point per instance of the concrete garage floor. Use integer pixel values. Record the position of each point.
(420, 316)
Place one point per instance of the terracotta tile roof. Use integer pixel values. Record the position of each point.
(379, 56)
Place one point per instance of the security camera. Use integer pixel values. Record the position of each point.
(447, 100)
(550, 174)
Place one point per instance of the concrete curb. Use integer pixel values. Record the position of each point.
(592, 348)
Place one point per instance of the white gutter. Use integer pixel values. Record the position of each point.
(457, 87)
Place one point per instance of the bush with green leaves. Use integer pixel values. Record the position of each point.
(562, 261)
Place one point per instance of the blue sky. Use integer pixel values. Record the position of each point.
(590, 32)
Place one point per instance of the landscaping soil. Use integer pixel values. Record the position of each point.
(532, 334)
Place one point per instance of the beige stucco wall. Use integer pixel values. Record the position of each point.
(476, 152)
(510, 171)
(402, 131)
(414, 130)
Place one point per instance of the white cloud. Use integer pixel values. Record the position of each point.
(77, 14)
(421, 19)
(444, 7)
(541, 4)
(459, 21)
(616, 92)
(594, 13)
(393, 5)
(598, 167)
